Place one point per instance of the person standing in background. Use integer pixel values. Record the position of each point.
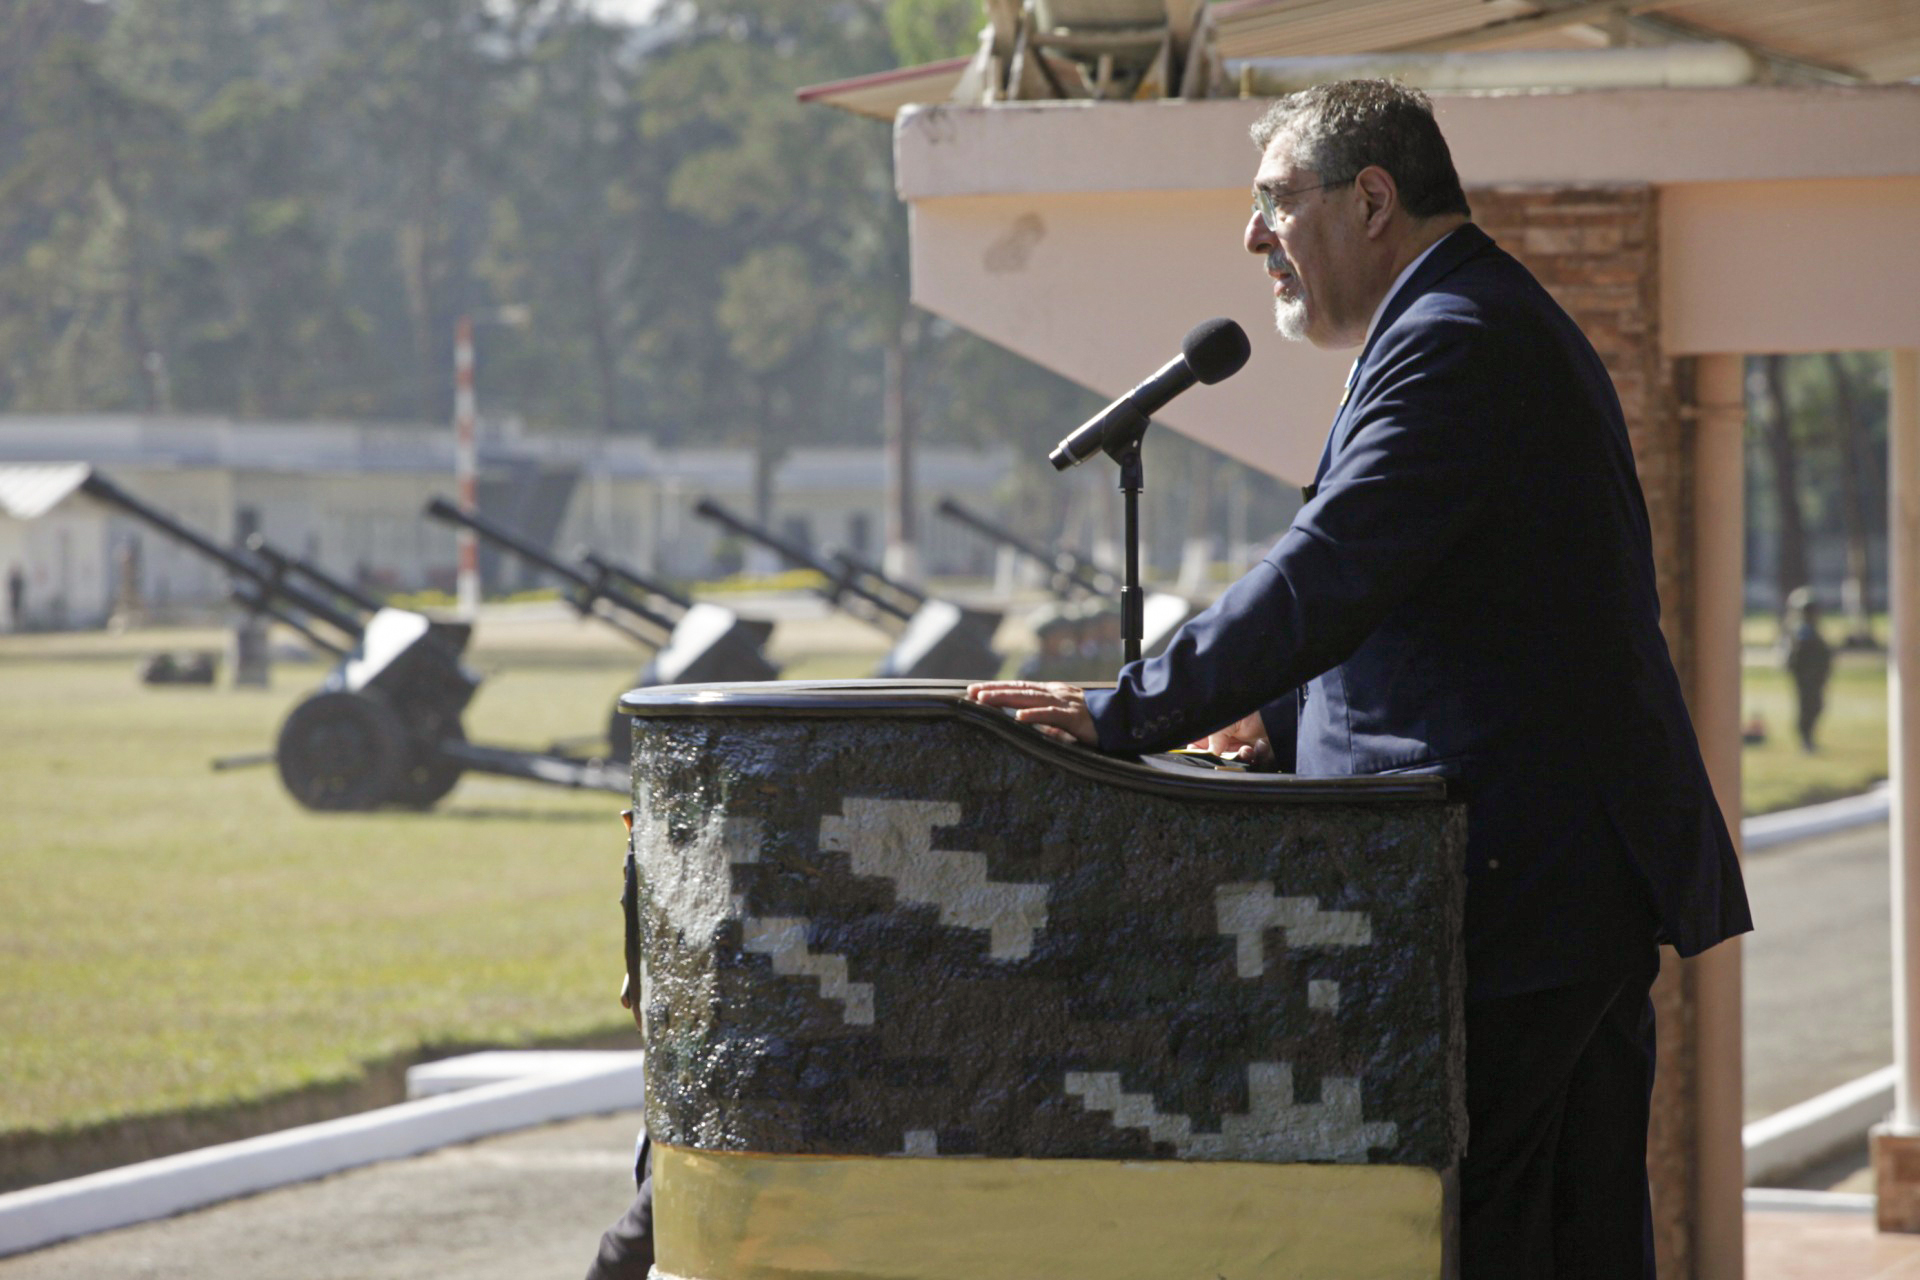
(1808, 659)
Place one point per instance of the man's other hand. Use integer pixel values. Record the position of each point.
(1244, 740)
(630, 1001)
(1055, 709)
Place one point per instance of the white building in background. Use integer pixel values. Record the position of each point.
(349, 497)
(53, 551)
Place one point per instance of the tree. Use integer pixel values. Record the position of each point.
(1850, 443)
(88, 196)
(260, 327)
(792, 202)
(410, 81)
(573, 210)
(1766, 381)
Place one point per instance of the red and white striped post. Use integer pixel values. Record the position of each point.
(465, 465)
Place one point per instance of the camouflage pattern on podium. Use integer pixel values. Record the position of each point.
(882, 923)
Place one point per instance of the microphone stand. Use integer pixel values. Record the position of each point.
(1124, 449)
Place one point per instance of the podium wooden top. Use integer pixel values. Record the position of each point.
(874, 699)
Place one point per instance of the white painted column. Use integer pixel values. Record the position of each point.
(466, 466)
(1719, 498)
(1903, 726)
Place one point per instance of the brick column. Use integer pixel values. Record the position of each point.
(1596, 250)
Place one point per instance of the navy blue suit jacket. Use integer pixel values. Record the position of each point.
(1469, 591)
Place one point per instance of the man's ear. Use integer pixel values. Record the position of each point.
(1381, 198)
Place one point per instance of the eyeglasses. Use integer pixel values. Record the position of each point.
(1267, 203)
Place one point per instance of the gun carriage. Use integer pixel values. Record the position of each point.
(933, 638)
(702, 643)
(384, 726)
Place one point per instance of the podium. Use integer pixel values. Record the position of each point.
(930, 996)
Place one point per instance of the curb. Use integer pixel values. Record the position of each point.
(1788, 1141)
(1770, 830)
(579, 1083)
(498, 1066)
(1781, 1200)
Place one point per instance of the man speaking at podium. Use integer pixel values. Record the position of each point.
(1468, 591)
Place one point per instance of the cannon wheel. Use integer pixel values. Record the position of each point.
(341, 751)
(426, 777)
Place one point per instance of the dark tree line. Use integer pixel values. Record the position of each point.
(248, 207)
(279, 210)
(1817, 467)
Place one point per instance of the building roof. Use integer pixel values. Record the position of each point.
(1180, 48)
(1871, 41)
(29, 491)
(884, 92)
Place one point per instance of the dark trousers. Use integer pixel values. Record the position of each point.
(626, 1250)
(1554, 1184)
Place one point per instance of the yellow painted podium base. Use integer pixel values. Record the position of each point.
(756, 1217)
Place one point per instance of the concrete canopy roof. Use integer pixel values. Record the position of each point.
(1183, 48)
(1864, 40)
(1089, 236)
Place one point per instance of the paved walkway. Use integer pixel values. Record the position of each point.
(523, 1206)
(1818, 977)
(1826, 1246)
(531, 1205)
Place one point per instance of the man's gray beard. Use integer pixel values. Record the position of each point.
(1289, 314)
(1290, 318)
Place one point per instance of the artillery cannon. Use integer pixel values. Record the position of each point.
(933, 638)
(1070, 575)
(705, 644)
(1079, 637)
(384, 726)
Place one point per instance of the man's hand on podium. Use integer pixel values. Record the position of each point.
(1056, 709)
(1244, 740)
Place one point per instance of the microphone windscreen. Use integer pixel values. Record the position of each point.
(1215, 349)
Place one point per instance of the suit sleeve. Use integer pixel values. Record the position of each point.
(1282, 720)
(1420, 464)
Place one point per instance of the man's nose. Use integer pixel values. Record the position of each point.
(1259, 237)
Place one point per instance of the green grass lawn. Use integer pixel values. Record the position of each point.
(1851, 736)
(173, 938)
(176, 939)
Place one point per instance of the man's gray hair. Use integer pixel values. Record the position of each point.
(1338, 129)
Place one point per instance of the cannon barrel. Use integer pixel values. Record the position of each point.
(1067, 565)
(254, 599)
(800, 556)
(283, 562)
(591, 588)
(859, 570)
(272, 585)
(622, 573)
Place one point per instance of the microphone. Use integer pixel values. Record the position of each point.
(1212, 351)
